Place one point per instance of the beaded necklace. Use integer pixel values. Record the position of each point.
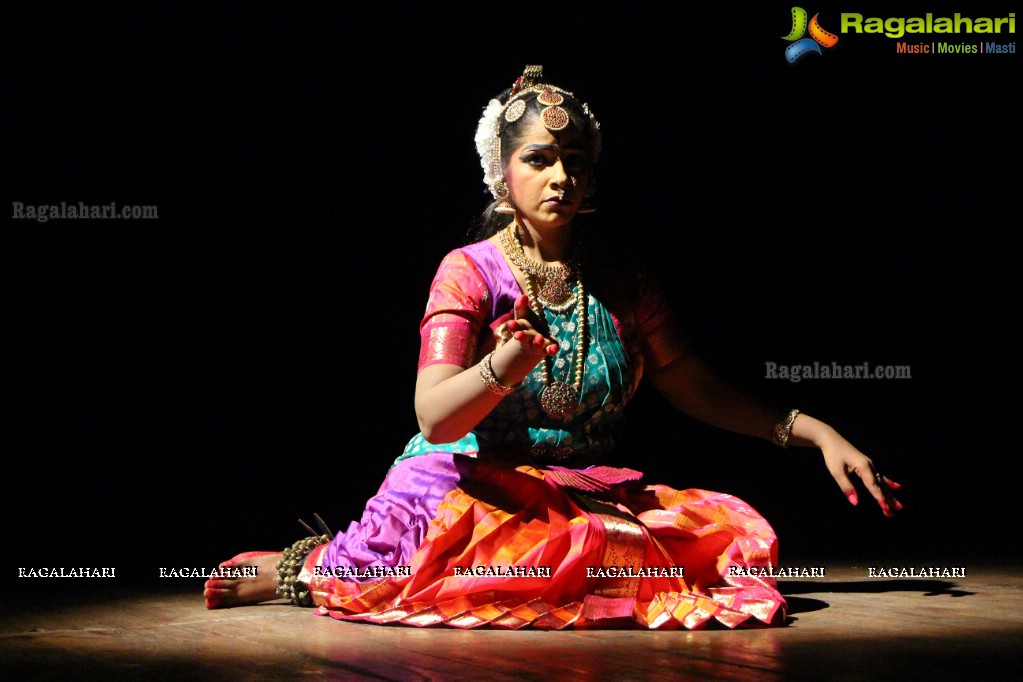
(555, 292)
(558, 399)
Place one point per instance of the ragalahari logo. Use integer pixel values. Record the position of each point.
(801, 45)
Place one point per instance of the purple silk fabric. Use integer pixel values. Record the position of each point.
(396, 519)
(498, 276)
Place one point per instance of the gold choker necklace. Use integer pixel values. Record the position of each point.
(555, 291)
(558, 399)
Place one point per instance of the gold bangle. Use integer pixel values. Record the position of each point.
(783, 429)
(490, 380)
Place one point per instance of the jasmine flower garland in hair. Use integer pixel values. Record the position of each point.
(488, 131)
(486, 136)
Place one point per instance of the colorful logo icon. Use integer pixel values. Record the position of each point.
(800, 45)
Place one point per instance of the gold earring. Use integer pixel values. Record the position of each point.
(504, 208)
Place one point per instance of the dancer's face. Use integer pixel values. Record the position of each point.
(547, 175)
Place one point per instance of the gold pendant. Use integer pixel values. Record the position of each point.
(555, 291)
(559, 400)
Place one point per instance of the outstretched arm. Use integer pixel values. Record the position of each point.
(693, 388)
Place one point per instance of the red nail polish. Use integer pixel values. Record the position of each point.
(853, 499)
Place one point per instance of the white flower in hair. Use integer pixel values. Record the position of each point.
(486, 135)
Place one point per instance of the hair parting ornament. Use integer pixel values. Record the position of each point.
(496, 115)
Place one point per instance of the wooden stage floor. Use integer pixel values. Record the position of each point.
(846, 626)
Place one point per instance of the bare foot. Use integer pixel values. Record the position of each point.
(224, 592)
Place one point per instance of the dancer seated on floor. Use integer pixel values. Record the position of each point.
(505, 509)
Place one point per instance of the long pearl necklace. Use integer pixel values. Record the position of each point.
(558, 399)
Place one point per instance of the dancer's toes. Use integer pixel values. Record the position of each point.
(213, 597)
(256, 583)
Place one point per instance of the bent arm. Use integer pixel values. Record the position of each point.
(451, 401)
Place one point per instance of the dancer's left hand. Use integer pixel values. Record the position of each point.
(845, 462)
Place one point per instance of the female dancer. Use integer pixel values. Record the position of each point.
(503, 510)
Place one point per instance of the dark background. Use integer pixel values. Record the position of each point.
(181, 389)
